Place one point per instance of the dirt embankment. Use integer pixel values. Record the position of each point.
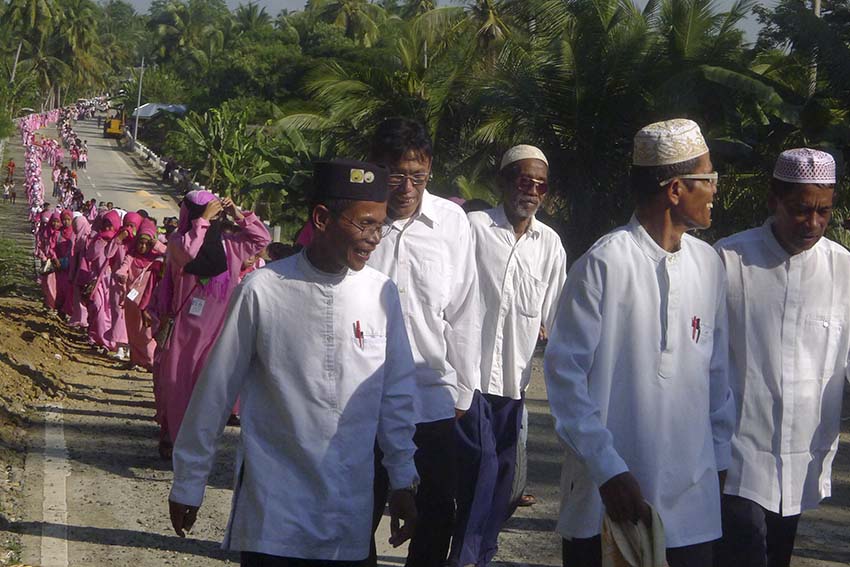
(34, 347)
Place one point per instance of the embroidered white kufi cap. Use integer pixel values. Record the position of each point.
(668, 142)
(520, 152)
(805, 165)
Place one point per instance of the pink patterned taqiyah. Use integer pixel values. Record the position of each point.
(805, 165)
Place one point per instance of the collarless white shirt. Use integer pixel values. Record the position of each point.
(431, 258)
(314, 396)
(789, 342)
(636, 370)
(520, 281)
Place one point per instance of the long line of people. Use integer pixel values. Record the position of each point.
(139, 293)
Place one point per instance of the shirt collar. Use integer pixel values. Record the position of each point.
(774, 246)
(646, 243)
(317, 275)
(427, 213)
(428, 210)
(500, 219)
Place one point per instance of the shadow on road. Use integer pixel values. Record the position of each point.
(129, 538)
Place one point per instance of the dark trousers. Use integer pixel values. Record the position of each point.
(588, 553)
(487, 439)
(753, 536)
(435, 497)
(251, 559)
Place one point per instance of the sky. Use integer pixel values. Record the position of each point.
(275, 6)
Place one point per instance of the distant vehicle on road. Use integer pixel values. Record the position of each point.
(113, 127)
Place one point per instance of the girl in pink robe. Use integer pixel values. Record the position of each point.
(199, 304)
(140, 273)
(78, 272)
(46, 251)
(116, 251)
(64, 248)
(96, 291)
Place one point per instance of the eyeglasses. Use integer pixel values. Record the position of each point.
(710, 177)
(528, 184)
(397, 180)
(379, 230)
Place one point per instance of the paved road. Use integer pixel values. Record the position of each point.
(96, 491)
(112, 176)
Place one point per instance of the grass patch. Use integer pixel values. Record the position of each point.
(16, 269)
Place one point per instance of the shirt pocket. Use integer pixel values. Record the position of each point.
(362, 378)
(821, 336)
(428, 278)
(529, 297)
(703, 340)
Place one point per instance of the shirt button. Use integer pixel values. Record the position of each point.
(825, 324)
(401, 290)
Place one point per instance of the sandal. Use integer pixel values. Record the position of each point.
(526, 500)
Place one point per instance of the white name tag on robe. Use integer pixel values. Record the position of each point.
(133, 294)
(197, 306)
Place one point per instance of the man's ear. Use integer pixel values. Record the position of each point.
(321, 218)
(772, 202)
(674, 191)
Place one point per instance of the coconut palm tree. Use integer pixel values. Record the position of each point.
(360, 19)
(251, 17)
(32, 20)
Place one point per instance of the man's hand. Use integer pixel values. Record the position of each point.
(212, 209)
(123, 234)
(542, 335)
(147, 320)
(459, 413)
(231, 209)
(623, 500)
(182, 517)
(402, 507)
(721, 476)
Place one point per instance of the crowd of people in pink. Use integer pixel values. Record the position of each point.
(152, 296)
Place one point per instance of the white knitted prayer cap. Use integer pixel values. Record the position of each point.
(805, 165)
(668, 142)
(520, 152)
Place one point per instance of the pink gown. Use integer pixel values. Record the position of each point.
(140, 336)
(78, 273)
(116, 251)
(100, 316)
(184, 355)
(46, 250)
(64, 247)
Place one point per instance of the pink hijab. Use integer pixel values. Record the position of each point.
(114, 221)
(196, 198)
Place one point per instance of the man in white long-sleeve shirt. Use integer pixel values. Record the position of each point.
(429, 254)
(522, 267)
(789, 339)
(315, 348)
(636, 365)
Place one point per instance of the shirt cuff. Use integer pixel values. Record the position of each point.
(464, 399)
(605, 466)
(186, 494)
(247, 217)
(723, 455)
(403, 476)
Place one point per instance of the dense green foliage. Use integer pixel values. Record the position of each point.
(267, 94)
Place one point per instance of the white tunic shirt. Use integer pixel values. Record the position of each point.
(521, 281)
(636, 369)
(313, 399)
(789, 341)
(430, 257)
